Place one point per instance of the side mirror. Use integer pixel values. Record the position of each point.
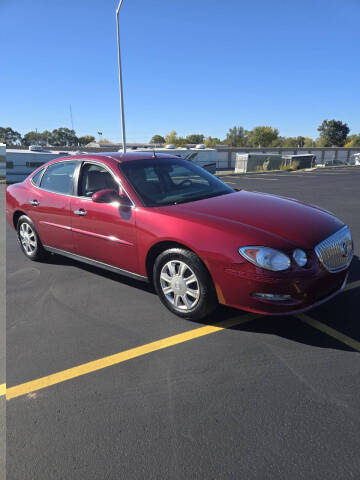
(107, 195)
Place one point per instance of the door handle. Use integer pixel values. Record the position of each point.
(81, 211)
(34, 203)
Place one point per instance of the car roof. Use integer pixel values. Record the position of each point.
(127, 157)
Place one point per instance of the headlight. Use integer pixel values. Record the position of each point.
(266, 257)
(300, 257)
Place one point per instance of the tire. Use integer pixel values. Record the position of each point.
(29, 239)
(183, 284)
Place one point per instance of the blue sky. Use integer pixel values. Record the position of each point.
(196, 66)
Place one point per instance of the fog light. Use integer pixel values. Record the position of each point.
(275, 297)
(300, 257)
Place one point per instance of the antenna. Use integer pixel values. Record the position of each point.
(120, 79)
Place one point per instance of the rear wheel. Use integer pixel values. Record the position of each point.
(29, 239)
(184, 284)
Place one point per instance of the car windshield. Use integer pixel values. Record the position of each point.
(167, 181)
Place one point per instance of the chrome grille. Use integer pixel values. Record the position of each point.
(336, 251)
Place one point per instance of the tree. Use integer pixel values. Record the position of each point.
(85, 140)
(292, 142)
(10, 136)
(64, 137)
(171, 137)
(157, 139)
(263, 136)
(181, 142)
(31, 138)
(46, 138)
(212, 141)
(195, 138)
(333, 133)
(308, 142)
(236, 137)
(353, 141)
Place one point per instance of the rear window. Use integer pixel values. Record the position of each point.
(58, 178)
(36, 178)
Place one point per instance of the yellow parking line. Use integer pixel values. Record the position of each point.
(352, 285)
(350, 342)
(2, 389)
(110, 360)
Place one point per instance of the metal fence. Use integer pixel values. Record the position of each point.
(226, 156)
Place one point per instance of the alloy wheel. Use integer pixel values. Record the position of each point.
(27, 238)
(180, 285)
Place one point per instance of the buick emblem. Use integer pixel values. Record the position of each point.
(345, 249)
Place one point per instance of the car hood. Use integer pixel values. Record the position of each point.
(302, 224)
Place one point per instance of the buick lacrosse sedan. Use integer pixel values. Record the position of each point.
(167, 221)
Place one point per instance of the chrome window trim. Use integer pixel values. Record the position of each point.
(96, 263)
(31, 179)
(320, 256)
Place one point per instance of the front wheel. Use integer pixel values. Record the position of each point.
(184, 284)
(29, 239)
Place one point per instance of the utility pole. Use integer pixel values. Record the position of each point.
(120, 79)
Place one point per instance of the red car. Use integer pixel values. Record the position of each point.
(165, 220)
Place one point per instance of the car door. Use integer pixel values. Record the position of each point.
(49, 205)
(104, 232)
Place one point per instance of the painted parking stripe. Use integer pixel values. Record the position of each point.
(340, 337)
(352, 285)
(108, 361)
(85, 368)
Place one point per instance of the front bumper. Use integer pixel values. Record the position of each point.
(308, 288)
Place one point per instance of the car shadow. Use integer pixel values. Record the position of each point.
(287, 327)
(54, 259)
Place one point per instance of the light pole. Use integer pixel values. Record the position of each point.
(120, 79)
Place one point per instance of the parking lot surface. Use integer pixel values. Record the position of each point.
(237, 396)
(2, 332)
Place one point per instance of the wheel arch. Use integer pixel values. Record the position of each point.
(160, 247)
(16, 215)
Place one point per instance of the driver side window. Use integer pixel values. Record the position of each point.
(94, 178)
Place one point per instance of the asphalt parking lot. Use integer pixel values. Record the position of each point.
(263, 398)
(2, 334)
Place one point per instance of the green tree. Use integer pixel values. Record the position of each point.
(10, 136)
(292, 142)
(212, 141)
(157, 139)
(31, 138)
(64, 137)
(195, 138)
(236, 137)
(353, 141)
(263, 136)
(171, 137)
(86, 139)
(181, 142)
(308, 142)
(46, 138)
(333, 133)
